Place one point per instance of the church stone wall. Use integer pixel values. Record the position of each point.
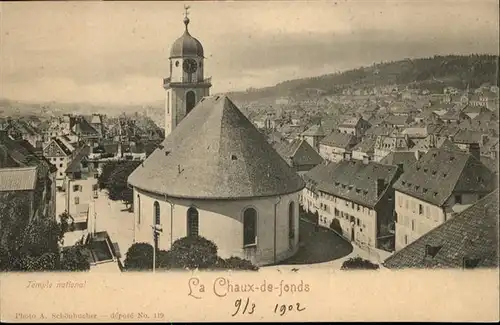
(221, 222)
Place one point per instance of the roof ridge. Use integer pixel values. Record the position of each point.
(7, 169)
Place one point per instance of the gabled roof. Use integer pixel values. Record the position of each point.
(83, 127)
(75, 164)
(377, 130)
(298, 153)
(472, 234)
(441, 172)
(356, 181)
(18, 179)
(468, 136)
(315, 130)
(366, 145)
(397, 120)
(339, 140)
(216, 153)
(475, 109)
(406, 158)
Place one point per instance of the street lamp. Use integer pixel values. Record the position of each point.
(156, 232)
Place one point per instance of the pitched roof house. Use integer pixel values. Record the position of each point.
(469, 240)
(299, 155)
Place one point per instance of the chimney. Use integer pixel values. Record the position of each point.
(366, 159)
(484, 139)
(347, 156)
(475, 150)
(119, 153)
(380, 186)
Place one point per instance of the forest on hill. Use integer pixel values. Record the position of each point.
(433, 73)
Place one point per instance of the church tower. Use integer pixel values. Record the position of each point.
(186, 85)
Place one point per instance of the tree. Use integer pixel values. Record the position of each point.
(335, 225)
(357, 263)
(193, 252)
(74, 259)
(237, 263)
(106, 172)
(116, 183)
(139, 257)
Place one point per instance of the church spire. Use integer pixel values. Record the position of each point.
(186, 18)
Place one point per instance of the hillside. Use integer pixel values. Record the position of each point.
(426, 73)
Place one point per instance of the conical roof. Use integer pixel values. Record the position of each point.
(216, 153)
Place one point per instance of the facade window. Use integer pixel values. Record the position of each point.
(250, 227)
(192, 220)
(336, 212)
(156, 209)
(138, 209)
(357, 207)
(357, 222)
(413, 225)
(406, 239)
(420, 209)
(291, 220)
(458, 199)
(75, 188)
(77, 200)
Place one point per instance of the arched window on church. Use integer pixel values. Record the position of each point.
(192, 222)
(291, 220)
(249, 227)
(157, 212)
(190, 101)
(138, 209)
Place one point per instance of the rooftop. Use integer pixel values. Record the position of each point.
(339, 140)
(18, 179)
(298, 153)
(353, 180)
(469, 239)
(441, 172)
(216, 153)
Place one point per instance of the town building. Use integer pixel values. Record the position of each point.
(186, 84)
(469, 240)
(299, 155)
(387, 144)
(313, 135)
(440, 184)
(356, 199)
(216, 176)
(336, 146)
(366, 148)
(19, 161)
(356, 126)
(60, 153)
(81, 186)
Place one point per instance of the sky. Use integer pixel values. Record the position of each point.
(117, 52)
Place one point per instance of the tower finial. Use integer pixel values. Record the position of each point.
(186, 18)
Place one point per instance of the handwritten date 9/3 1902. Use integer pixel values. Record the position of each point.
(247, 307)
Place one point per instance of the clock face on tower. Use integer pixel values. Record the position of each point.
(190, 66)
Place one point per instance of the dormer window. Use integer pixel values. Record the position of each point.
(432, 250)
(470, 263)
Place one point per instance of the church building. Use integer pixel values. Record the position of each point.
(215, 175)
(186, 85)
